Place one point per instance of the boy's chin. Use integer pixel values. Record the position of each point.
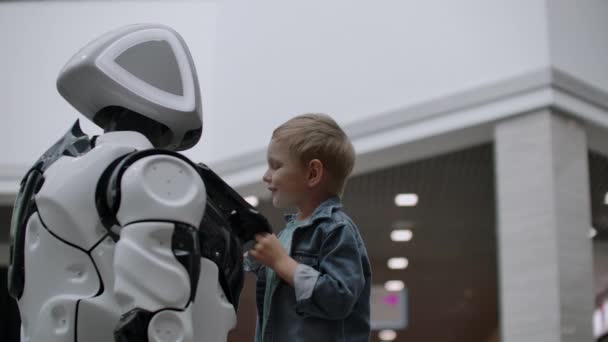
(281, 203)
(278, 203)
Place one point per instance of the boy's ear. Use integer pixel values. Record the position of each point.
(315, 172)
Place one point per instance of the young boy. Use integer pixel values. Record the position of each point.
(315, 281)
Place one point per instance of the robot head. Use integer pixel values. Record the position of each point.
(139, 77)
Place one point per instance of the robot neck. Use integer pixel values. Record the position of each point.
(116, 119)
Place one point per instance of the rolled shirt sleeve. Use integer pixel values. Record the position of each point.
(304, 280)
(333, 290)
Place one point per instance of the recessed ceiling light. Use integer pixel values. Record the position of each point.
(387, 335)
(400, 235)
(406, 200)
(398, 263)
(253, 200)
(606, 199)
(394, 285)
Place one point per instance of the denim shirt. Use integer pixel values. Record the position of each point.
(331, 297)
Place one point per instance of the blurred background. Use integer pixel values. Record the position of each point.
(481, 182)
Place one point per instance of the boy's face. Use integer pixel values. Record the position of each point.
(285, 177)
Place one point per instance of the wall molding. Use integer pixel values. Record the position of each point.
(450, 123)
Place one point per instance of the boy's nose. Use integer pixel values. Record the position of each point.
(266, 178)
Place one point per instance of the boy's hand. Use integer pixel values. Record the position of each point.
(269, 251)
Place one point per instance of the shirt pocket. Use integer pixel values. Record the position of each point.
(306, 258)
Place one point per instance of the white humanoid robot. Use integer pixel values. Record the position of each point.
(118, 237)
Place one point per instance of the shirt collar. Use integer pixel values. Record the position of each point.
(324, 210)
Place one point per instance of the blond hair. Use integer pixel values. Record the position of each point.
(318, 136)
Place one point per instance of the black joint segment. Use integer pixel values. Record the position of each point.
(245, 221)
(133, 326)
(229, 223)
(186, 248)
(107, 195)
(104, 205)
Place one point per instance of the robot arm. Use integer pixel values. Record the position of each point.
(245, 221)
(157, 201)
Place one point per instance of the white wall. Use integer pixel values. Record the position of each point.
(38, 38)
(262, 61)
(357, 59)
(579, 39)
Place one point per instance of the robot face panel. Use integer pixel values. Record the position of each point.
(145, 69)
(154, 63)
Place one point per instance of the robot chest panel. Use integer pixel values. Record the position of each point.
(66, 201)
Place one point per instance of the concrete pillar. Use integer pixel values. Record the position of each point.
(544, 216)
